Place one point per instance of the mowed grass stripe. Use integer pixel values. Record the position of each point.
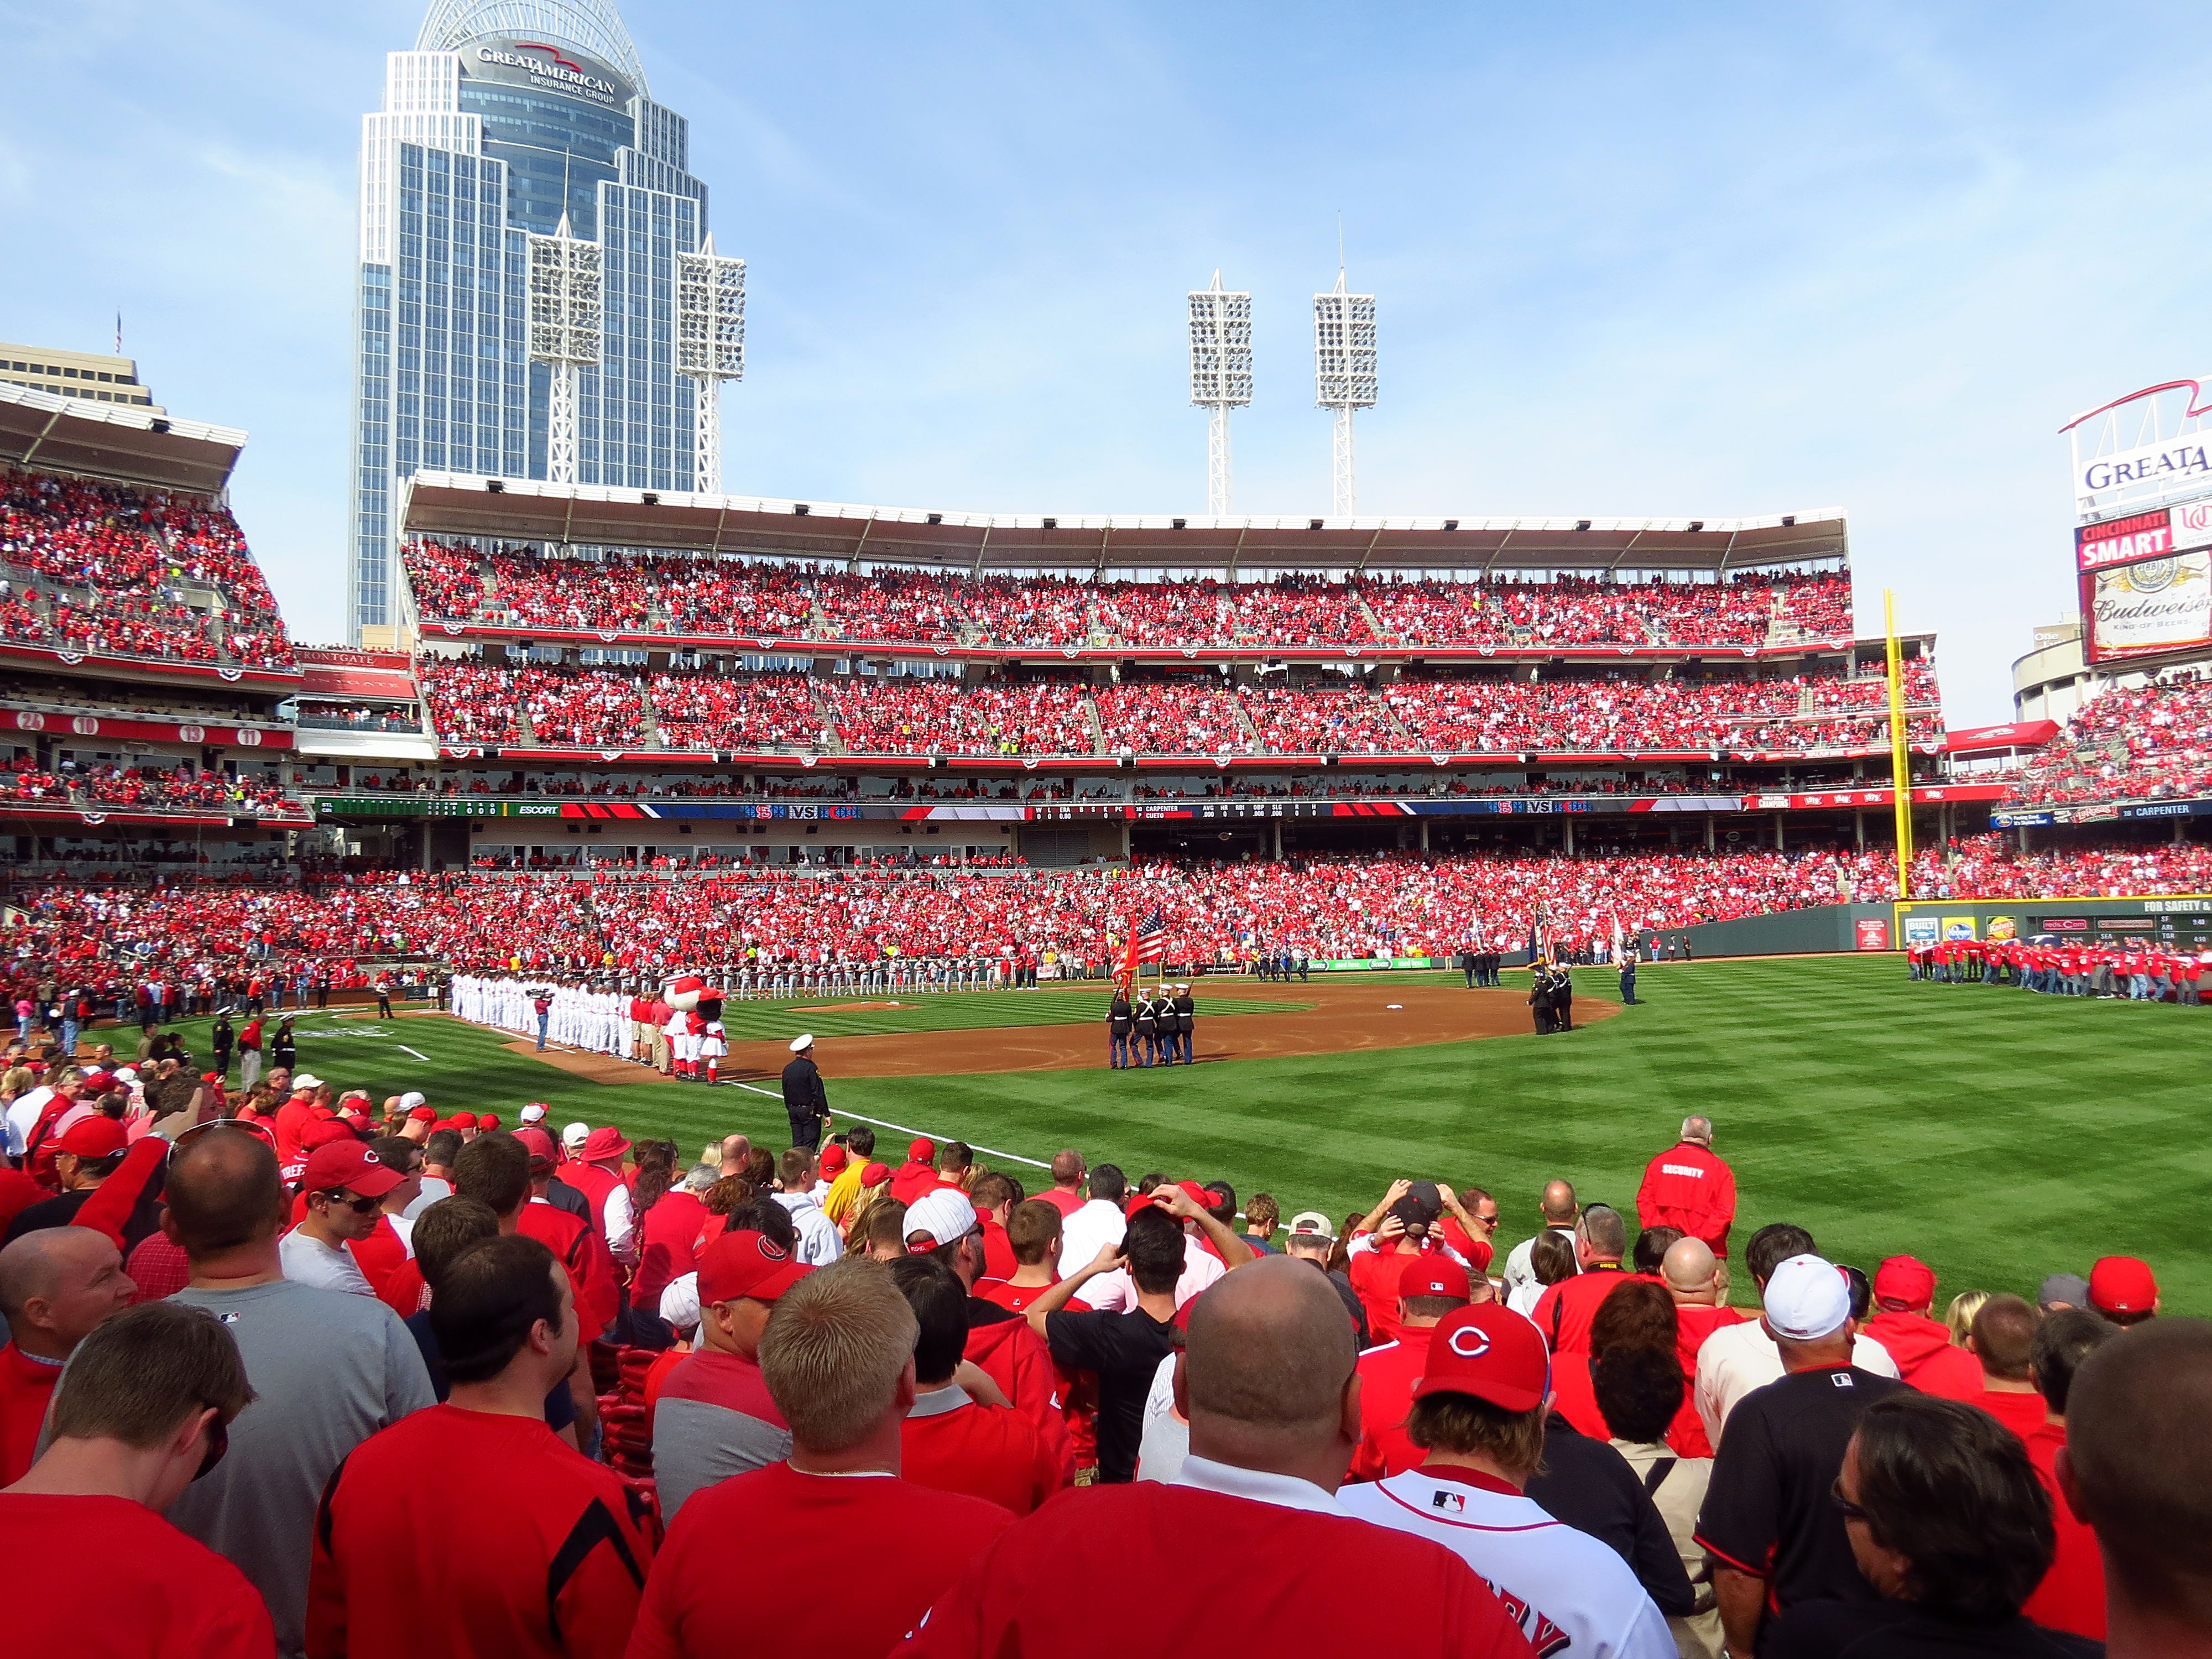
(950, 1011)
(1997, 1135)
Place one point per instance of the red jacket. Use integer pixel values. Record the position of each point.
(2071, 1596)
(1925, 1357)
(1689, 1187)
(1565, 1309)
(584, 1253)
(1016, 1358)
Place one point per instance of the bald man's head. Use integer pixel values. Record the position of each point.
(55, 1284)
(1558, 1202)
(1067, 1168)
(1689, 1267)
(224, 1192)
(1269, 1353)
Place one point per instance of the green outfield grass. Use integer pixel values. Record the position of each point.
(956, 1010)
(1998, 1135)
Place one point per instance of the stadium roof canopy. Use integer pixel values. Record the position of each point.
(528, 510)
(114, 440)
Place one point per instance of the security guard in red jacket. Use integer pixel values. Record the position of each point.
(1688, 1187)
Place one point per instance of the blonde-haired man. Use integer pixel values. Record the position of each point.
(837, 1355)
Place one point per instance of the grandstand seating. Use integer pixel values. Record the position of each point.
(96, 567)
(132, 788)
(2130, 743)
(718, 711)
(1349, 906)
(714, 598)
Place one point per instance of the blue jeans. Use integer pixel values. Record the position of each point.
(542, 1021)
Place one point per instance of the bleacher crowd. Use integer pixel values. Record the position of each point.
(2150, 742)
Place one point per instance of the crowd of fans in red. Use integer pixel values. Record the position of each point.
(1355, 906)
(2151, 742)
(472, 702)
(709, 598)
(104, 568)
(133, 789)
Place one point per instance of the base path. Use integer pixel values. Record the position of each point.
(1343, 1015)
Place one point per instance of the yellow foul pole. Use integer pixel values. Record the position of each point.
(1900, 754)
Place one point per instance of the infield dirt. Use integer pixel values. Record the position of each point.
(1342, 1016)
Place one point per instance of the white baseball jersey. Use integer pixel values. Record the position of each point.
(1570, 1595)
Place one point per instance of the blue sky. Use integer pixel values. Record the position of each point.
(1701, 260)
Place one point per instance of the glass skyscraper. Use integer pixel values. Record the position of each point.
(506, 115)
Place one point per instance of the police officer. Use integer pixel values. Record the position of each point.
(1147, 1016)
(1186, 1019)
(1120, 1020)
(806, 1102)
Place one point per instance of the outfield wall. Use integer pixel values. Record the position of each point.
(2181, 920)
(1824, 928)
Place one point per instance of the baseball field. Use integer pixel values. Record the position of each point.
(1997, 1134)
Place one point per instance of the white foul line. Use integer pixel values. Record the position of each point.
(418, 1054)
(904, 1129)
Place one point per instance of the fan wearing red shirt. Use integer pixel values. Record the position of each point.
(1250, 1537)
(1903, 1291)
(1427, 1291)
(1691, 1273)
(2003, 1340)
(56, 1285)
(97, 1572)
(1690, 1188)
(917, 1174)
(953, 1442)
(1393, 1236)
(1470, 1225)
(556, 1556)
(1066, 1194)
(838, 1358)
(1033, 1233)
(2071, 1596)
(578, 1244)
(992, 1196)
(1564, 1312)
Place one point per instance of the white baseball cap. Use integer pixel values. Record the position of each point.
(802, 1043)
(575, 1134)
(305, 1080)
(410, 1099)
(533, 1113)
(1311, 1221)
(1808, 1298)
(943, 1214)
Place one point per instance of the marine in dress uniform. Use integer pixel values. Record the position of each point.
(1120, 1020)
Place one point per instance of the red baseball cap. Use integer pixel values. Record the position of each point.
(99, 1083)
(95, 1136)
(424, 1114)
(2118, 1283)
(539, 1146)
(833, 1160)
(605, 1142)
(1137, 1202)
(746, 1263)
(1492, 1352)
(875, 1175)
(462, 1120)
(922, 1151)
(487, 1119)
(349, 1164)
(1903, 1281)
(1435, 1275)
(1198, 1196)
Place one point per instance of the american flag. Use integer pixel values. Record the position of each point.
(1152, 941)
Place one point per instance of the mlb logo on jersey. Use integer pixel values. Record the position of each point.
(1450, 1502)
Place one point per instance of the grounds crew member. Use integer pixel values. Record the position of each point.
(1119, 1021)
(805, 1101)
(1186, 1018)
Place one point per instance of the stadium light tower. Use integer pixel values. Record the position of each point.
(1344, 375)
(710, 347)
(1221, 376)
(564, 334)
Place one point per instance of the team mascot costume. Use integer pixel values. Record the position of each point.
(695, 1040)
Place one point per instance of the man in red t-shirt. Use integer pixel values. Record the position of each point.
(1033, 1234)
(1470, 1225)
(917, 1174)
(994, 1198)
(292, 1121)
(580, 1247)
(1251, 1538)
(838, 1360)
(2003, 1340)
(56, 1285)
(151, 1396)
(1688, 1187)
(1904, 1292)
(1395, 1234)
(1564, 1312)
(952, 1441)
(2071, 1596)
(1066, 1194)
(556, 1553)
(1427, 1291)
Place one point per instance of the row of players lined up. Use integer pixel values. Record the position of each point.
(2139, 972)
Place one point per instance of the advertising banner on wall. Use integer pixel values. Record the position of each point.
(2148, 607)
(1922, 930)
(1871, 934)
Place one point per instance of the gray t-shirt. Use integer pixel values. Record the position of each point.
(328, 1369)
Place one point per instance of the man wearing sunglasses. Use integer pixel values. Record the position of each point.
(145, 1412)
(346, 1186)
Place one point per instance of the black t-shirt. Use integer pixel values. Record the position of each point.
(1767, 1508)
(1897, 1630)
(1126, 1350)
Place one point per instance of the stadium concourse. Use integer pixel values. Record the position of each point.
(788, 745)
